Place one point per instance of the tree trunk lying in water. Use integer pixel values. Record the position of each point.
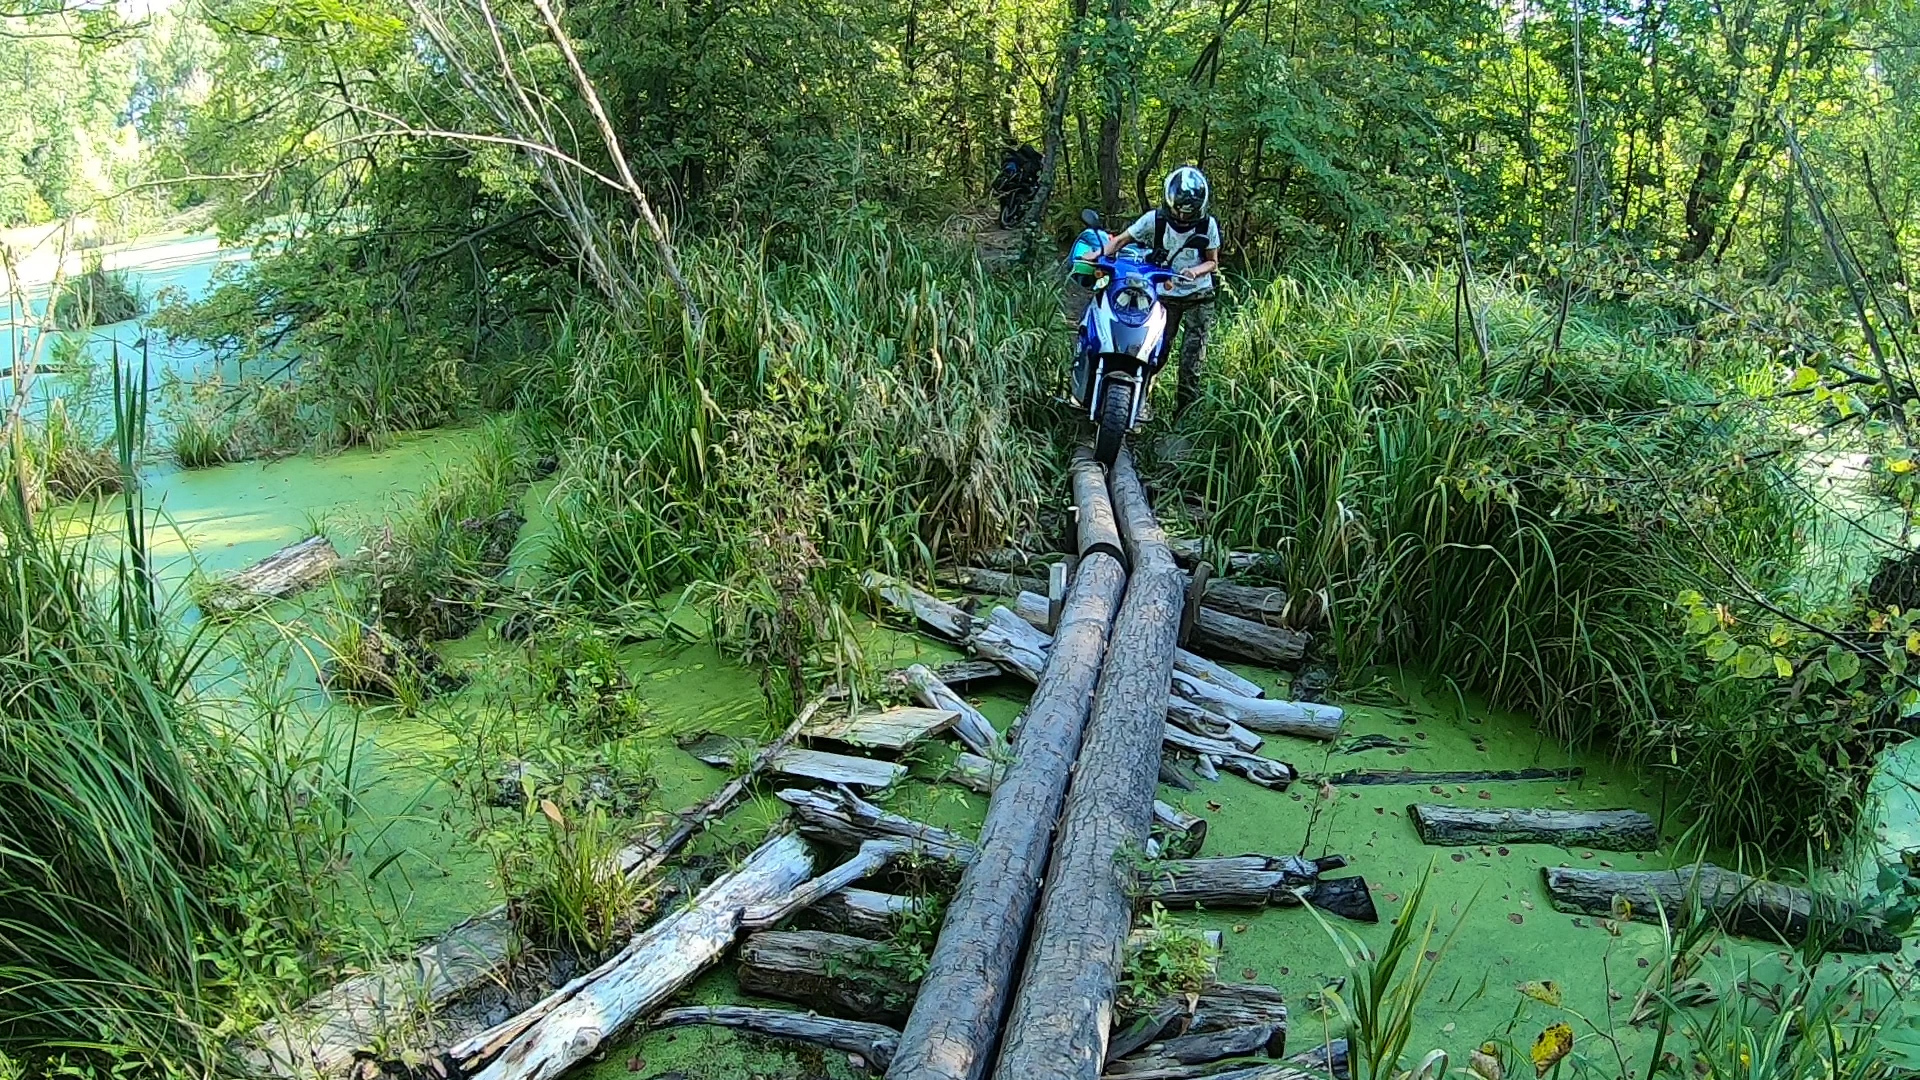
(1216, 633)
(1257, 881)
(1166, 1058)
(279, 575)
(975, 730)
(1057, 1026)
(969, 981)
(943, 619)
(653, 967)
(1742, 905)
(1180, 833)
(826, 972)
(1305, 719)
(1032, 609)
(1608, 830)
(845, 820)
(1220, 1007)
(1264, 771)
(1369, 777)
(873, 857)
(874, 1042)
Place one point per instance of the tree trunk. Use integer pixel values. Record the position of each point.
(1741, 904)
(1057, 115)
(943, 619)
(860, 912)
(275, 577)
(1255, 881)
(963, 999)
(1058, 1026)
(874, 1042)
(1181, 833)
(1165, 1058)
(873, 857)
(1095, 526)
(973, 729)
(1212, 725)
(652, 968)
(1608, 830)
(1217, 633)
(1264, 771)
(1373, 777)
(1032, 609)
(825, 972)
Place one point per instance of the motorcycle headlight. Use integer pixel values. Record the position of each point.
(1131, 304)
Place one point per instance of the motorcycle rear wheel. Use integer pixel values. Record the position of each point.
(1116, 412)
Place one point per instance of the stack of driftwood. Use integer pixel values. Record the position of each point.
(1073, 846)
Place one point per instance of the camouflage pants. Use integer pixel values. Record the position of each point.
(1194, 314)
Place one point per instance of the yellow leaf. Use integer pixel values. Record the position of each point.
(1901, 465)
(553, 812)
(1782, 666)
(1780, 635)
(1554, 1044)
(1913, 641)
(1547, 992)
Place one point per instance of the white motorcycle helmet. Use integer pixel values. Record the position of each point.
(1185, 195)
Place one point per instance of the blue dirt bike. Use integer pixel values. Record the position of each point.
(1123, 335)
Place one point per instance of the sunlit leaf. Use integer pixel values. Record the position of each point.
(1545, 991)
(1553, 1045)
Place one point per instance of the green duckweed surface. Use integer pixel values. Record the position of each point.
(418, 867)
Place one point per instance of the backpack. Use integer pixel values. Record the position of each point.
(1161, 226)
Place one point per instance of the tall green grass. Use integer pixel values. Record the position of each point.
(1521, 525)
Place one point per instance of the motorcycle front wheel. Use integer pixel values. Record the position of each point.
(1116, 412)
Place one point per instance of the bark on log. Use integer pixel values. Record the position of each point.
(655, 965)
(847, 821)
(1182, 833)
(1165, 1058)
(1255, 881)
(973, 729)
(1220, 1007)
(1251, 602)
(969, 982)
(1172, 776)
(1058, 1024)
(943, 619)
(1608, 830)
(1266, 772)
(874, 1042)
(279, 575)
(873, 857)
(1097, 529)
(1279, 717)
(818, 969)
(1216, 633)
(1740, 904)
(1031, 607)
(860, 912)
(1373, 777)
(1020, 649)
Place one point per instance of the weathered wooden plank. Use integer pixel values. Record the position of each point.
(891, 729)
(279, 575)
(874, 1043)
(1608, 830)
(1742, 905)
(807, 764)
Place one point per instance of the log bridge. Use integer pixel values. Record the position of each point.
(1023, 978)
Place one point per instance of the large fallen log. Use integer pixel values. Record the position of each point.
(1740, 904)
(1057, 1027)
(655, 965)
(279, 575)
(1256, 881)
(873, 1042)
(1608, 830)
(1032, 609)
(828, 972)
(1212, 725)
(975, 730)
(845, 820)
(1216, 633)
(1278, 717)
(1367, 777)
(969, 981)
(1266, 772)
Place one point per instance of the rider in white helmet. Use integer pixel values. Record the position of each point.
(1185, 239)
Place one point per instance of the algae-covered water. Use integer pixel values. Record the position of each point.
(417, 866)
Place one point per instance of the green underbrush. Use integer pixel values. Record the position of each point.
(1524, 523)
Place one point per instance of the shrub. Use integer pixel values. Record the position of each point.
(98, 297)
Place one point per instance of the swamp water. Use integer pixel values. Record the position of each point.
(417, 865)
